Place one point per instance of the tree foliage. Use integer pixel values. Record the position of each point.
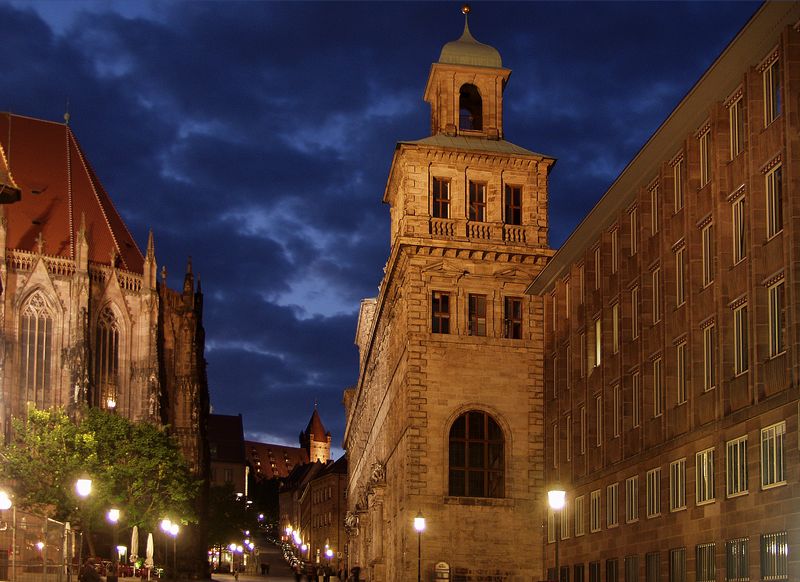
(136, 467)
(228, 516)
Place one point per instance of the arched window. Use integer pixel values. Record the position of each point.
(36, 341)
(476, 456)
(106, 357)
(470, 108)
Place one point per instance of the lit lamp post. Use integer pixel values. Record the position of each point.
(113, 517)
(173, 530)
(556, 498)
(166, 527)
(419, 525)
(5, 503)
(83, 488)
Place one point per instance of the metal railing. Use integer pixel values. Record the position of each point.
(34, 548)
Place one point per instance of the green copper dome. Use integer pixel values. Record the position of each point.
(468, 51)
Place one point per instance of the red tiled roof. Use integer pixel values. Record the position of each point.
(269, 461)
(58, 186)
(315, 427)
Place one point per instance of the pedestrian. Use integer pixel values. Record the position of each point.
(267, 572)
(297, 572)
(89, 573)
(236, 574)
(263, 569)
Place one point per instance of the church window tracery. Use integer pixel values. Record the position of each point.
(36, 341)
(470, 108)
(107, 357)
(476, 456)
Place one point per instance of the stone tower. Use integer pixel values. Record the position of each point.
(446, 417)
(316, 440)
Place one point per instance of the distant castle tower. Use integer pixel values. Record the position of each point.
(316, 440)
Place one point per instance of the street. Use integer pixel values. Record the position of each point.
(279, 570)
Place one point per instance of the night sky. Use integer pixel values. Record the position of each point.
(257, 137)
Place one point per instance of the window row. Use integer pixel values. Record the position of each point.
(442, 310)
(591, 353)
(475, 201)
(37, 353)
(773, 474)
(773, 561)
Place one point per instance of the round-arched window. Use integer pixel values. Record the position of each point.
(470, 108)
(477, 467)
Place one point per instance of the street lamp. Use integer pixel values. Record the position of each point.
(556, 498)
(166, 526)
(113, 517)
(173, 530)
(419, 525)
(83, 487)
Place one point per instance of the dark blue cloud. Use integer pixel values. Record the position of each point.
(257, 137)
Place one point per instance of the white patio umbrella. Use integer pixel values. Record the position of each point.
(135, 543)
(148, 560)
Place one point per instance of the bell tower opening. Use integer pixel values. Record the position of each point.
(470, 108)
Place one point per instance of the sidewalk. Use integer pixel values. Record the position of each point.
(279, 570)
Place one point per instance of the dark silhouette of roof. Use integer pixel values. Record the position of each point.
(226, 438)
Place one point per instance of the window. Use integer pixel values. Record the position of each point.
(616, 416)
(470, 107)
(777, 319)
(598, 343)
(441, 198)
(680, 372)
(583, 354)
(440, 312)
(577, 573)
(581, 284)
(594, 511)
(709, 357)
(677, 485)
(555, 444)
(656, 295)
(631, 568)
(594, 571)
(555, 375)
(512, 307)
(612, 570)
(598, 408)
(477, 201)
(513, 205)
(634, 231)
(680, 282)
(705, 161)
(635, 312)
(568, 427)
(654, 210)
(740, 345)
(597, 267)
(736, 467)
(564, 516)
(739, 232)
(736, 125)
(614, 250)
(637, 398)
(708, 254)
(106, 357)
(476, 456)
(632, 499)
(583, 429)
(615, 328)
(568, 367)
(580, 512)
(772, 468)
(36, 351)
(477, 314)
(612, 505)
(736, 562)
(774, 202)
(658, 387)
(654, 492)
(551, 526)
(774, 556)
(677, 177)
(705, 570)
(772, 92)
(677, 565)
(704, 476)
(652, 567)
(566, 299)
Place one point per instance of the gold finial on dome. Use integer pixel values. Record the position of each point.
(466, 9)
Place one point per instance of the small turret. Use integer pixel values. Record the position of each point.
(188, 284)
(150, 267)
(82, 247)
(316, 440)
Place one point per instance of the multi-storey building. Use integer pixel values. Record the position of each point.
(446, 417)
(672, 338)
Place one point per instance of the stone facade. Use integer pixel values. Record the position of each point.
(671, 343)
(442, 340)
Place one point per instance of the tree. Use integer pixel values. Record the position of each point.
(136, 467)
